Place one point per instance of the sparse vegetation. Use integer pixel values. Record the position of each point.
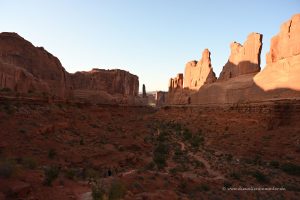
(291, 169)
(160, 155)
(260, 177)
(235, 175)
(51, 173)
(117, 190)
(98, 192)
(274, 164)
(70, 173)
(51, 153)
(7, 168)
(29, 162)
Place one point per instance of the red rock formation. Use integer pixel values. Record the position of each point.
(244, 59)
(111, 81)
(283, 60)
(160, 98)
(176, 83)
(199, 73)
(24, 67)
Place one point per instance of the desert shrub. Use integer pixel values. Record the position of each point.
(7, 168)
(5, 90)
(274, 164)
(260, 177)
(70, 173)
(98, 192)
(187, 135)
(227, 184)
(160, 155)
(51, 173)
(117, 190)
(235, 175)
(81, 142)
(22, 131)
(29, 162)
(291, 169)
(197, 140)
(90, 173)
(51, 153)
(150, 166)
(203, 187)
(8, 108)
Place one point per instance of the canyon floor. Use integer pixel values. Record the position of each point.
(76, 151)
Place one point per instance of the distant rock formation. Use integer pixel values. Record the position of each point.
(244, 59)
(144, 91)
(176, 83)
(199, 73)
(283, 59)
(25, 68)
(160, 98)
(114, 81)
(241, 79)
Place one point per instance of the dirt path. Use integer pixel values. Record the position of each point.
(215, 175)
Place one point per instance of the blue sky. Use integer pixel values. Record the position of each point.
(150, 38)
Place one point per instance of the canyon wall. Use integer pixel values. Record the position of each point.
(243, 59)
(241, 79)
(283, 59)
(25, 69)
(199, 73)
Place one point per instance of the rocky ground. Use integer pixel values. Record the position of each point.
(76, 151)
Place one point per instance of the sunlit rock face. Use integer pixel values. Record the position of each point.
(244, 59)
(199, 73)
(176, 83)
(283, 59)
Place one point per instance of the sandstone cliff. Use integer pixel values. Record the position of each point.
(199, 73)
(283, 60)
(176, 83)
(240, 80)
(24, 67)
(105, 83)
(244, 59)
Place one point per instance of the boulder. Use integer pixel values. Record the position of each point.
(199, 73)
(244, 59)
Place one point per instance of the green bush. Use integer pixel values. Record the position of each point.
(204, 187)
(51, 173)
(291, 169)
(160, 155)
(7, 168)
(98, 192)
(29, 162)
(187, 135)
(274, 164)
(260, 177)
(117, 191)
(235, 175)
(70, 173)
(51, 153)
(197, 140)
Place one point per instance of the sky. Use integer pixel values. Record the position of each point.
(153, 39)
